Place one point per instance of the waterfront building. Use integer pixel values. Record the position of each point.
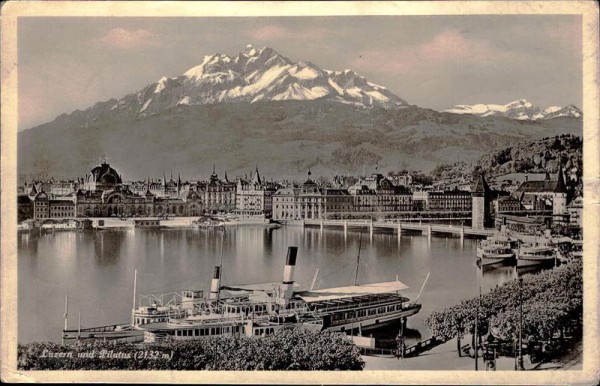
(103, 194)
(449, 201)
(522, 224)
(420, 200)
(254, 196)
(217, 195)
(378, 194)
(441, 201)
(285, 204)
(41, 205)
(310, 202)
(547, 194)
(61, 208)
(507, 204)
(102, 177)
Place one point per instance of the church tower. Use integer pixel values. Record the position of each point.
(480, 215)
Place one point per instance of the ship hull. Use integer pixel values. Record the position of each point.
(375, 322)
(524, 262)
(496, 259)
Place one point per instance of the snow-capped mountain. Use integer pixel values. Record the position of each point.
(567, 111)
(519, 109)
(256, 75)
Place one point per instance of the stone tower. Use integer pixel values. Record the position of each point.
(480, 216)
(559, 199)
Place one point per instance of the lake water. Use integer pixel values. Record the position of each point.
(96, 269)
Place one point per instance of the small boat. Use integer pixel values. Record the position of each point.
(496, 250)
(534, 255)
(210, 224)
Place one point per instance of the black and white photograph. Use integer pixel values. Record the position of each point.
(268, 192)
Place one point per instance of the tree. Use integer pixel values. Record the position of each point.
(290, 349)
(550, 300)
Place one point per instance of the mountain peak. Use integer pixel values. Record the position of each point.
(261, 74)
(519, 109)
(251, 51)
(518, 103)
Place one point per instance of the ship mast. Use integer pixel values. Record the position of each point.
(221, 266)
(358, 259)
(134, 295)
(314, 280)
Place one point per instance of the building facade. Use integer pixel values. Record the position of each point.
(103, 194)
(254, 196)
(310, 202)
(449, 201)
(548, 195)
(378, 194)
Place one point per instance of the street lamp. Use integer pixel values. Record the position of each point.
(475, 340)
(521, 324)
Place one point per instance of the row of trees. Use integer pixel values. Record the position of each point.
(551, 300)
(292, 349)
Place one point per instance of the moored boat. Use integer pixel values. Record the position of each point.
(496, 250)
(534, 255)
(210, 224)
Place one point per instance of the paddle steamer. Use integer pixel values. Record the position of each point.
(255, 310)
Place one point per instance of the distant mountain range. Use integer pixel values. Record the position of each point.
(256, 75)
(260, 108)
(520, 109)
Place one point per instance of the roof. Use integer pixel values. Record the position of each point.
(449, 192)
(522, 177)
(255, 287)
(506, 198)
(560, 184)
(481, 186)
(336, 192)
(537, 186)
(351, 291)
(287, 191)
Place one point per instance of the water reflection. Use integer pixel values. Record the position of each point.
(97, 267)
(107, 246)
(28, 242)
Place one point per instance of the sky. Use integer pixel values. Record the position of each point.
(69, 63)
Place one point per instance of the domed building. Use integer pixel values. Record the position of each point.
(102, 177)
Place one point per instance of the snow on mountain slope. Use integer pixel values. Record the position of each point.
(519, 109)
(258, 75)
(567, 111)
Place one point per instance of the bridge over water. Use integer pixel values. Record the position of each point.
(398, 227)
